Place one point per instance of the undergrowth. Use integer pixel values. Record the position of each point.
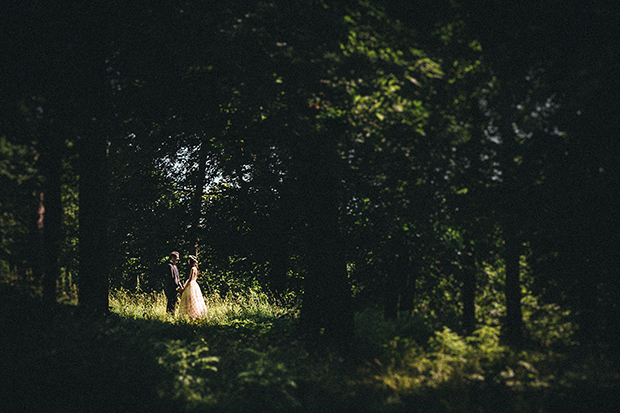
(246, 355)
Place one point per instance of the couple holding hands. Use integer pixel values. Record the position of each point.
(192, 301)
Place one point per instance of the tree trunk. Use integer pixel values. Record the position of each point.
(49, 221)
(196, 205)
(326, 314)
(512, 205)
(469, 292)
(398, 270)
(278, 269)
(279, 250)
(407, 298)
(93, 269)
(391, 296)
(514, 317)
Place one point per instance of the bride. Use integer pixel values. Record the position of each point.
(192, 302)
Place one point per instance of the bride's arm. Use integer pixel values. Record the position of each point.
(192, 276)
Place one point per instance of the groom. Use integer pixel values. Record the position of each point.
(172, 283)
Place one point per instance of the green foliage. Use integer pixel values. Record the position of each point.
(146, 218)
(193, 371)
(139, 359)
(67, 291)
(219, 370)
(547, 324)
(374, 331)
(266, 382)
(19, 180)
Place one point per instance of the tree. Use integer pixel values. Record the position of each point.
(549, 74)
(64, 68)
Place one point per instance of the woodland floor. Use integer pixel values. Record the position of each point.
(57, 359)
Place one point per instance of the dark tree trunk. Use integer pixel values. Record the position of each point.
(511, 210)
(469, 292)
(588, 301)
(390, 307)
(93, 269)
(514, 317)
(278, 269)
(326, 314)
(279, 249)
(408, 296)
(398, 270)
(49, 220)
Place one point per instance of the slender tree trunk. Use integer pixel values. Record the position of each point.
(391, 296)
(49, 221)
(407, 299)
(512, 201)
(279, 251)
(278, 269)
(397, 276)
(588, 304)
(93, 269)
(52, 232)
(469, 292)
(514, 317)
(199, 187)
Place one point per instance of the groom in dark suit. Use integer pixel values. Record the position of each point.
(172, 283)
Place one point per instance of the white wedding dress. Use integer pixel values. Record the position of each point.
(192, 302)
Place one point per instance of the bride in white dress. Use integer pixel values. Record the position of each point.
(192, 302)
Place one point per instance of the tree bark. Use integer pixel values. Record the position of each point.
(196, 205)
(407, 298)
(327, 313)
(93, 269)
(398, 270)
(279, 246)
(278, 269)
(469, 292)
(49, 220)
(391, 296)
(511, 208)
(514, 317)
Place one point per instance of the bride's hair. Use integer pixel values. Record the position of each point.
(194, 260)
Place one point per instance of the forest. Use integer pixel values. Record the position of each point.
(396, 206)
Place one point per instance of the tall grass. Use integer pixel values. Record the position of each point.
(237, 357)
(138, 305)
(220, 310)
(252, 305)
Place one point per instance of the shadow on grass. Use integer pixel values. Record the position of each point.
(57, 359)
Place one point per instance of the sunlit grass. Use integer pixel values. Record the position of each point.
(138, 305)
(251, 305)
(220, 310)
